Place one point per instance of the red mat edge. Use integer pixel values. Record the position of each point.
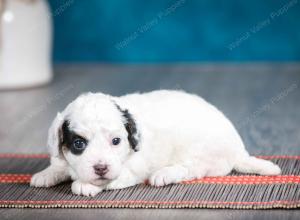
(237, 180)
(114, 202)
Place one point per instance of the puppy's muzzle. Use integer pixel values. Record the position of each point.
(101, 169)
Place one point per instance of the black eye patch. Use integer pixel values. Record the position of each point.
(74, 142)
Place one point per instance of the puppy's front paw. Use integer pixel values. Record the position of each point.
(85, 189)
(126, 179)
(117, 184)
(271, 169)
(44, 178)
(165, 176)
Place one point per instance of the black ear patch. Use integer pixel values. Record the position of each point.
(130, 126)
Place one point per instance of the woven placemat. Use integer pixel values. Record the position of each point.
(235, 191)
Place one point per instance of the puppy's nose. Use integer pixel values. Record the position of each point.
(101, 169)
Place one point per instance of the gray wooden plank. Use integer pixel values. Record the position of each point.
(247, 94)
(146, 214)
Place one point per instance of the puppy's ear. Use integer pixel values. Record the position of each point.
(55, 136)
(131, 128)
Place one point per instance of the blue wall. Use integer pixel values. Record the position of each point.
(178, 30)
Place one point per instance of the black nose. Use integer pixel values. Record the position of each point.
(101, 169)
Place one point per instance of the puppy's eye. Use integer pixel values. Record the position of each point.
(79, 144)
(116, 141)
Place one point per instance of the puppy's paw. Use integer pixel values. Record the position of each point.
(276, 170)
(126, 179)
(45, 178)
(165, 176)
(85, 189)
(117, 184)
(271, 169)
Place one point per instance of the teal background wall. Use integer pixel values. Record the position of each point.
(137, 31)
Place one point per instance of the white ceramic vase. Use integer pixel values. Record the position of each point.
(25, 43)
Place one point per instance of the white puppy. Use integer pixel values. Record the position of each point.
(104, 142)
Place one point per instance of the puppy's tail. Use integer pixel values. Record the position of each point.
(249, 164)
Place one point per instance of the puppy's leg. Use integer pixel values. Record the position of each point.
(57, 172)
(178, 173)
(85, 189)
(248, 164)
(168, 175)
(126, 179)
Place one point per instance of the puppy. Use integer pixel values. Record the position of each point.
(103, 142)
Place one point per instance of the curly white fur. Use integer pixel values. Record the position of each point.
(181, 137)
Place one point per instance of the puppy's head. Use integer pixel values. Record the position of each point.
(95, 136)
